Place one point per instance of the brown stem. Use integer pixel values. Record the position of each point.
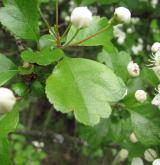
(57, 25)
(87, 38)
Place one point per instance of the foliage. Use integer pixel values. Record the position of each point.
(83, 74)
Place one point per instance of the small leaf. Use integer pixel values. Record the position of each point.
(26, 71)
(19, 88)
(85, 87)
(44, 57)
(21, 18)
(96, 25)
(46, 41)
(7, 69)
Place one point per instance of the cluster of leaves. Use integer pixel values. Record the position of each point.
(91, 89)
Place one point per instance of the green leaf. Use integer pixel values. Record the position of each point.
(8, 124)
(21, 18)
(7, 69)
(96, 25)
(19, 88)
(108, 1)
(26, 71)
(44, 57)
(46, 41)
(118, 61)
(85, 87)
(95, 135)
(146, 127)
(4, 151)
(88, 2)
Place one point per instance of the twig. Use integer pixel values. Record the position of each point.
(57, 25)
(48, 119)
(72, 38)
(87, 38)
(54, 137)
(66, 31)
(46, 22)
(58, 138)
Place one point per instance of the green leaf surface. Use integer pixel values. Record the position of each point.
(25, 71)
(21, 18)
(146, 127)
(4, 151)
(95, 135)
(96, 25)
(19, 88)
(8, 124)
(118, 61)
(88, 2)
(44, 57)
(85, 87)
(7, 69)
(46, 41)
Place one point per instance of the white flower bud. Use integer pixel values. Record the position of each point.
(155, 47)
(137, 161)
(133, 138)
(133, 69)
(123, 14)
(141, 96)
(123, 154)
(81, 17)
(7, 100)
(150, 155)
(156, 162)
(156, 100)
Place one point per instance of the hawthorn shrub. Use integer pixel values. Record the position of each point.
(79, 82)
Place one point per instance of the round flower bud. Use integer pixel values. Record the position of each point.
(123, 154)
(137, 161)
(156, 100)
(150, 155)
(133, 138)
(123, 15)
(133, 69)
(141, 96)
(7, 100)
(81, 17)
(156, 162)
(155, 47)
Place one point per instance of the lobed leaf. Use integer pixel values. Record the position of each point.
(85, 87)
(44, 57)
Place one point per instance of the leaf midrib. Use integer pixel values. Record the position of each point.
(78, 89)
